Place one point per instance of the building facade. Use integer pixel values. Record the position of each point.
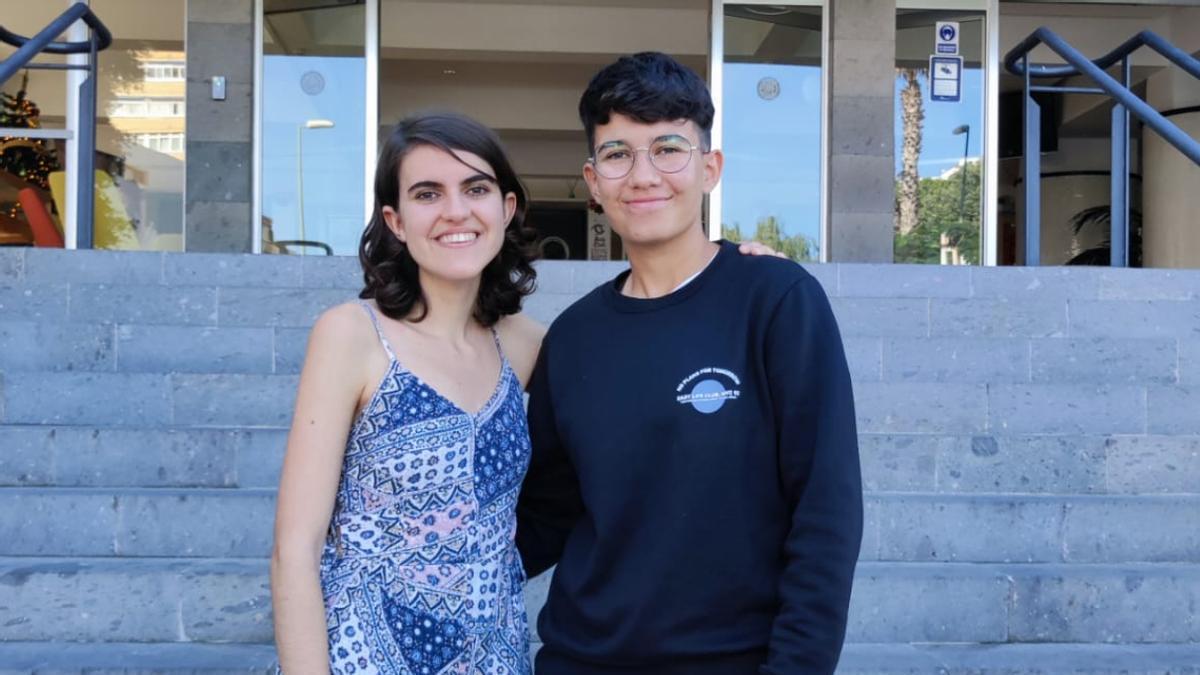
(854, 130)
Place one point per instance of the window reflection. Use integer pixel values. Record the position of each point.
(313, 128)
(938, 145)
(772, 128)
(140, 126)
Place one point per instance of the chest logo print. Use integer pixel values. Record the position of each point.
(708, 389)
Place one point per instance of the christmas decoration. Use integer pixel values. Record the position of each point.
(30, 159)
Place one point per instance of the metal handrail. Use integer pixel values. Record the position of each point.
(99, 38)
(1081, 65)
(1145, 38)
(1017, 63)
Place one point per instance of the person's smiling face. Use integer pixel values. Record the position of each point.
(451, 212)
(648, 206)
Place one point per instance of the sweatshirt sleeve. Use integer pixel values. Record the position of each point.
(813, 405)
(549, 503)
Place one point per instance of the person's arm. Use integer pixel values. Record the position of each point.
(549, 504)
(328, 394)
(521, 338)
(818, 458)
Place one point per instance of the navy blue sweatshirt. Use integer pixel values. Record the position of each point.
(695, 476)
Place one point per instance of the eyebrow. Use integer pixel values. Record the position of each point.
(654, 140)
(466, 181)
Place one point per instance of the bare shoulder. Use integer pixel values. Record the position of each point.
(343, 334)
(347, 323)
(521, 337)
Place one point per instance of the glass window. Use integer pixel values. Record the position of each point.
(139, 184)
(139, 158)
(313, 127)
(163, 71)
(32, 98)
(524, 80)
(140, 149)
(938, 139)
(771, 107)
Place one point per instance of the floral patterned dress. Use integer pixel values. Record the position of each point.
(421, 573)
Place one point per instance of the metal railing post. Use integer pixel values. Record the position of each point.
(1126, 105)
(1033, 174)
(85, 209)
(1119, 180)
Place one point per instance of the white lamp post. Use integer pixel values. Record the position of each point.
(310, 124)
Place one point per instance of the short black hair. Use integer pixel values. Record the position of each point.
(389, 270)
(649, 87)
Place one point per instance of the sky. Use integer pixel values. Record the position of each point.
(333, 158)
(772, 147)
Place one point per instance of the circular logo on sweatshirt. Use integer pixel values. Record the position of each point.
(708, 389)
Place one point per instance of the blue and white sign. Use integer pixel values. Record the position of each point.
(946, 40)
(945, 78)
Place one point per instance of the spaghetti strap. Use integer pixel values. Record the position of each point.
(387, 347)
(499, 347)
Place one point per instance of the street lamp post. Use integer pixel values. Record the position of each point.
(310, 124)
(962, 172)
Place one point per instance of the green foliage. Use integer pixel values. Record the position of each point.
(940, 214)
(770, 231)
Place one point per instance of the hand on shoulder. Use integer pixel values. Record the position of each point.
(756, 248)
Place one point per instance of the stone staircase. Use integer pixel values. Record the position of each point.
(1030, 442)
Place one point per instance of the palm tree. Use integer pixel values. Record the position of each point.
(912, 117)
(1100, 217)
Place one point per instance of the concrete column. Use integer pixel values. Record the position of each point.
(861, 116)
(1171, 228)
(220, 151)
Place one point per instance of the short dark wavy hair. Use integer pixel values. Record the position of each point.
(649, 87)
(389, 271)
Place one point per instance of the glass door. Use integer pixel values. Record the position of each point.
(770, 126)
(314, 112)
(940, 91)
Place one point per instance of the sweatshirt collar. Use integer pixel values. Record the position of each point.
(624, 303)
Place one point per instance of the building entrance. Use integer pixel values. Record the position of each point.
(1076, 146)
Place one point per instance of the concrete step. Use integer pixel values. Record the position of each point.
(1020, 659)
(857, 659)
(91, 456)
(993, 462)
(963, 602)
(897, 604)
(133, 658)
(137, 522)
(1031, 528)
(39, 346)
(142, 347)
(97, 456)
(156, 400)
(135, 600)
(147, 400)
(237, 523)
(227, 600)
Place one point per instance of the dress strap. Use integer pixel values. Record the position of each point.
(499, 347)
(387, 347)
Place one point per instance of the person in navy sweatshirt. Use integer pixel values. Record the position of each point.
(695, 471)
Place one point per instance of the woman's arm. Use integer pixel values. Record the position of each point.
(521, 338)
(331, 385)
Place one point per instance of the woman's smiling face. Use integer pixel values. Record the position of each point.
(451, 213)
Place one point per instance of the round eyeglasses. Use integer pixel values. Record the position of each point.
(667, 154)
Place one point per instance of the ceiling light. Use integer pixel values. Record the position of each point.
(768, 10)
